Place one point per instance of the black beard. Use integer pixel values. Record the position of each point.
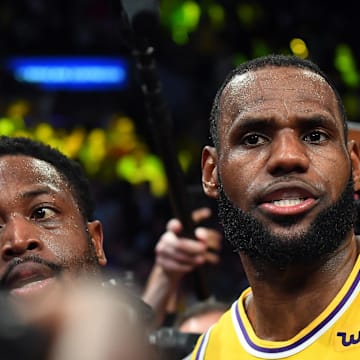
(327, 232)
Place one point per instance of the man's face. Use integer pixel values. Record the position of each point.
(282, 157)
(44, 240)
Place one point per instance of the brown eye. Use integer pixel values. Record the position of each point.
(315, 137)
(254, 139)
(42, 213)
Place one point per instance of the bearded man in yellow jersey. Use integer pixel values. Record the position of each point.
(284, 174)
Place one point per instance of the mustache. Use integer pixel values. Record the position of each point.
(321, 238)
(57, 268)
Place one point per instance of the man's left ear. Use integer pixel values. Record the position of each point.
(355, 162)
(96, 236)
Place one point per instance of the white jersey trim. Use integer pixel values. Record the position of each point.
(305, 341)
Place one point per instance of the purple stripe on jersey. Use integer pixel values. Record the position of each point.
(199, 348)
(306, 337)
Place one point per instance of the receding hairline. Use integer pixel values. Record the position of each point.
(240, 82)
(272, 62)
(37, 164)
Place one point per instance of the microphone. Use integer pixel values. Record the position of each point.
(142, 20)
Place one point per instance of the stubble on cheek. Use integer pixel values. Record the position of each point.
(72, 249)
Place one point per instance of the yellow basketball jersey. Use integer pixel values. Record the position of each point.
(334, 334)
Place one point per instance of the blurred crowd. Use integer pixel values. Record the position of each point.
(225, 33)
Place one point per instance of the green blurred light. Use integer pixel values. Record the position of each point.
(180, 36)
(344, 62)
(148, 169)
(217, 15)
(260, 48)
(351, 78)
(185, 159)
(44, 132)
(239, 59)
(248, 13)
(192, 13)
(167, 8)
(352, 106)
(126, 168)
(184, 19)
(187, 15)
(343, 59)
(7, 127)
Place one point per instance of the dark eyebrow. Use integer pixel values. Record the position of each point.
(319, 121)
(44, 190)
(305, 122)
(252, 123)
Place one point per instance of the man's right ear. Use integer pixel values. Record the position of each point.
(209, 171)
(354, 151)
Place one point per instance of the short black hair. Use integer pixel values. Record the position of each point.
(267, 61)
(69, 169)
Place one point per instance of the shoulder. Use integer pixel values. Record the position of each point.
(214, 343)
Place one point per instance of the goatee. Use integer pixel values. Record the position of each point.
(327, 232)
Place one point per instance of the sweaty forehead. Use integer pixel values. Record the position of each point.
(281, 83)
(16, 168)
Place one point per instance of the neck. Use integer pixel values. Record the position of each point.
(284, 301)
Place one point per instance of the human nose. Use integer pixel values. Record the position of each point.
(17, 238)
(288, 154)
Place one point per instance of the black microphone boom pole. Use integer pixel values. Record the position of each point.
(140, 17)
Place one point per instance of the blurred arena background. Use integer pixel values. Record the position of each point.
(67, 78)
